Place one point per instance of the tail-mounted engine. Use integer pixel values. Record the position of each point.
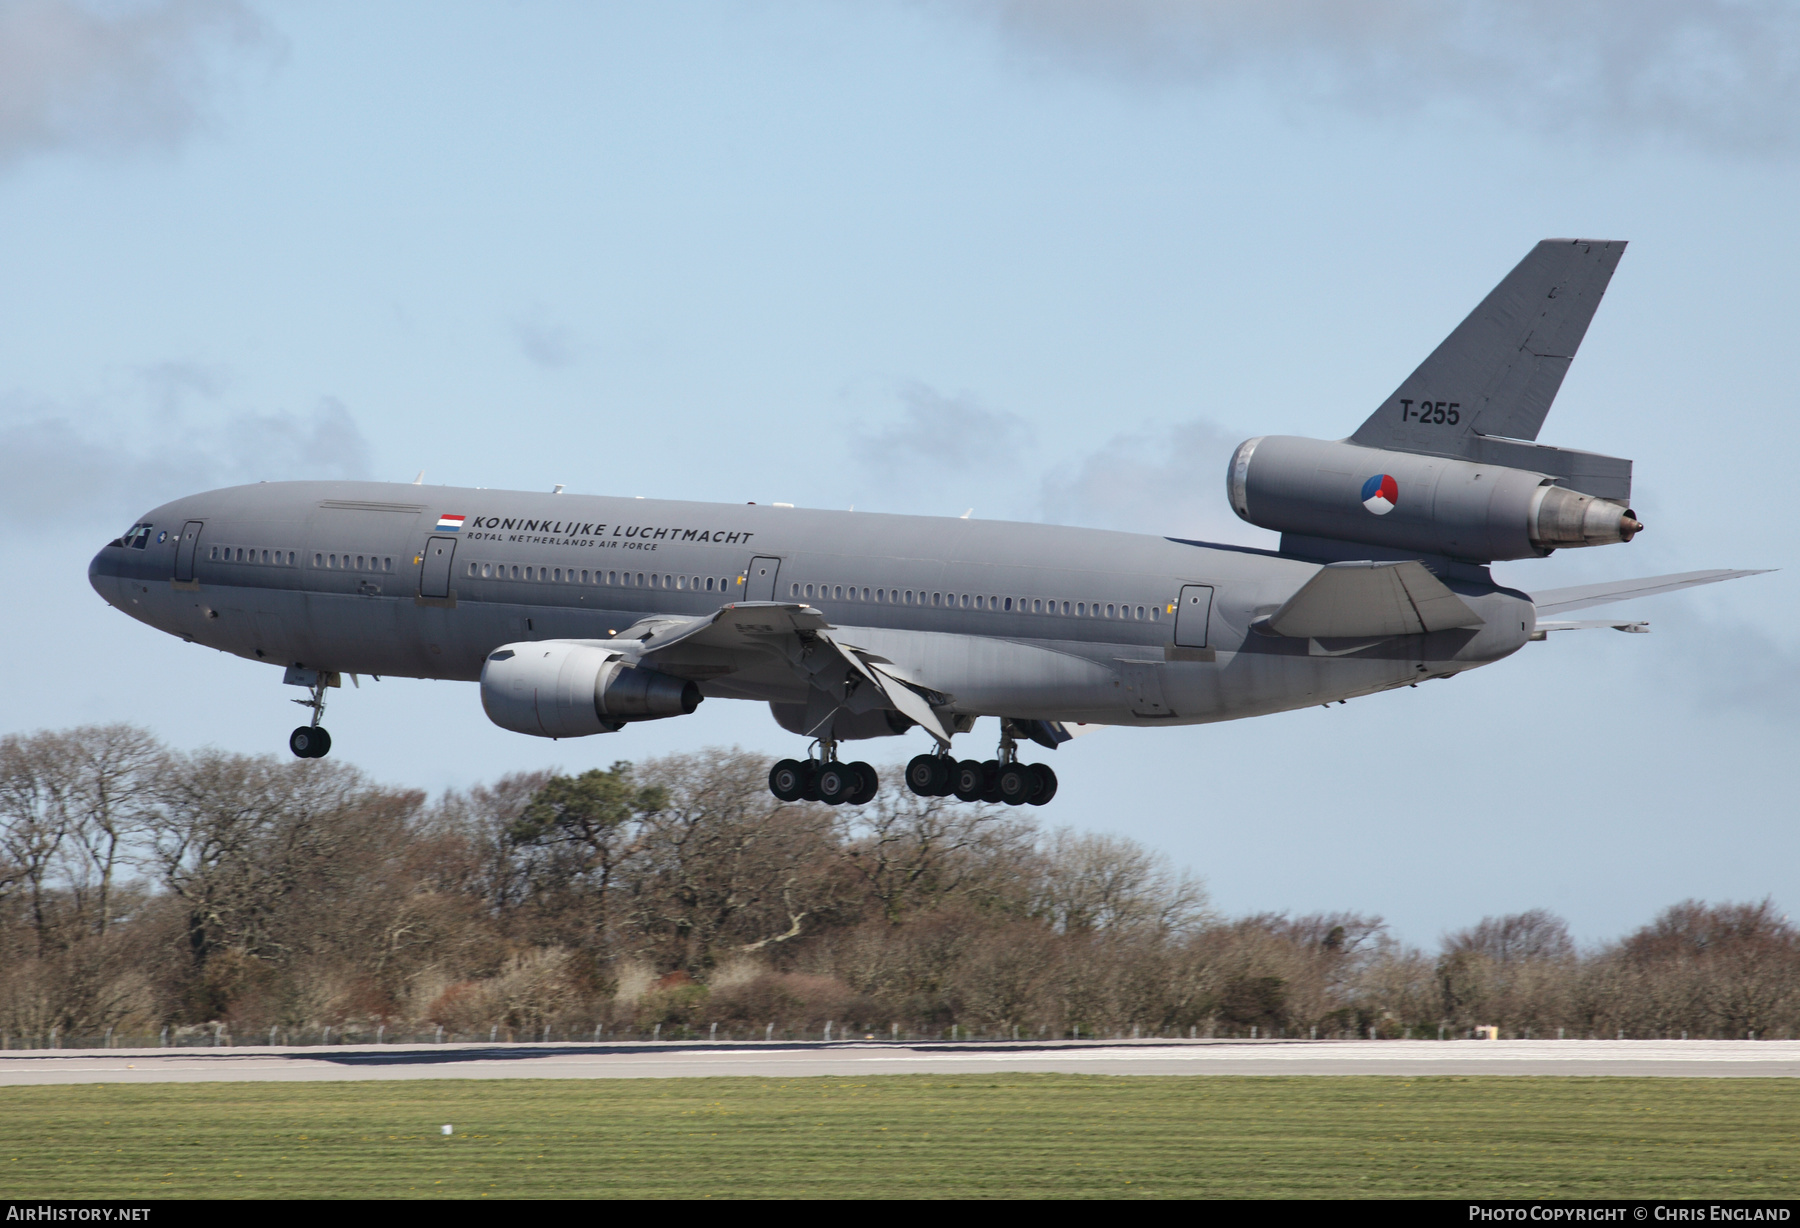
(569, 689)
(1430, 504)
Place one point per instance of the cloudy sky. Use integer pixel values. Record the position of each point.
(1048, 260)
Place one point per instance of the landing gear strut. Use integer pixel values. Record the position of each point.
(822, 778)
(312, 741)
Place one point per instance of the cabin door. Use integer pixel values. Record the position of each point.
(1192, 610)
(434, 575)
(187, 548)
(759, 579)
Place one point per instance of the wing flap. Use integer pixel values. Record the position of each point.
(785, 628)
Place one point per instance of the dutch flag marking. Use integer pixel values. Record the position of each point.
(449, 524)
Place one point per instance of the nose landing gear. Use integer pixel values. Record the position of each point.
(312, 741)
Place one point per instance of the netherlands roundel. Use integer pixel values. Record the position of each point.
(1380, 493)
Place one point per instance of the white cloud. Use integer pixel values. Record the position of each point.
(112, 77)
(1169, 481)
(545, 342)
(109, 458)
(937, 431)
(1717, 73)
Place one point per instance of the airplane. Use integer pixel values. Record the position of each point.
(580, 614)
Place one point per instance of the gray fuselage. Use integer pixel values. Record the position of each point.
(1004, 619)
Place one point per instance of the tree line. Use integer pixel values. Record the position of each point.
(145, 890)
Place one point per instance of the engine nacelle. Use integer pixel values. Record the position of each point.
(570, 688)
(1406, 501)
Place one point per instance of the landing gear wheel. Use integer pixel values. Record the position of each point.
(970, 781)
(871, 784)
(838, 782)
(1044, 784)
(809, 791)
(787, 780)
(1014, 783)
(310, 742)
(928, 775)
(990, 791)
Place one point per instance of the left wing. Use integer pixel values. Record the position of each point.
(859, 680)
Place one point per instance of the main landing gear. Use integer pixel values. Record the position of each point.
(1003, 779)
(312, 741)
(822, 778)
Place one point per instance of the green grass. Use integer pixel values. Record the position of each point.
(908, 1136)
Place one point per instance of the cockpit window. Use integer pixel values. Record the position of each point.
(137, 537)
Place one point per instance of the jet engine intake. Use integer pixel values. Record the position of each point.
(572, 688)
(1414, 502)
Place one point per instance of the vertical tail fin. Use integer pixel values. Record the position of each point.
(1498, 372)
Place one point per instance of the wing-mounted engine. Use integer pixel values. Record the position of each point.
(1430, 504)
(572, 688)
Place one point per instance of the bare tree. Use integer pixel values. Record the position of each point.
(34, 824)
(1100, 882)
(917, 852)
(723, 864)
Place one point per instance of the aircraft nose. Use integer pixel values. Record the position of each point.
(104, 577)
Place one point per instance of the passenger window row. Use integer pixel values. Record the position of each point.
(977, 601)
(253, 554)
(352, 562)
(613, 579)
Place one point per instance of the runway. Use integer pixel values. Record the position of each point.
(1631, 1058)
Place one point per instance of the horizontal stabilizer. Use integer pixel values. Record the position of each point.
(1581, 596)
(1634, 626)
(1370, 601)
(1498, 372)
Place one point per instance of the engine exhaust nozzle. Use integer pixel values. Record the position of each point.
(1562, 518)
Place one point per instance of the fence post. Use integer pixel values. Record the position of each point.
(828, 1024)
(713, 1034)
(894, 1031)
(769, 1032)
(493, 1034)
(165, 1038)
(657, 1033)
(380, 1031)
(271, 1036)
